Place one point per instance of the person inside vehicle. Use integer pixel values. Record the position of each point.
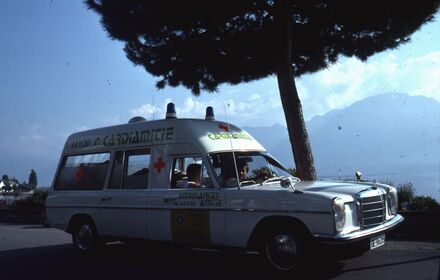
(243, 169)
(194, 172)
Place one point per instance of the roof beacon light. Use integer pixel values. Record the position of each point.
(209, 113)
(171, 111)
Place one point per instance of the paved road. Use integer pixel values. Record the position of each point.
(34, 252)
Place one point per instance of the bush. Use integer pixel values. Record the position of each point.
(423, 203)
(292, 171)
(36, 201)
(405, 194)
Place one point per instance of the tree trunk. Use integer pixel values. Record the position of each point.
(302, 152)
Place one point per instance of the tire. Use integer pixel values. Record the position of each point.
(85, 238)
(284, 250)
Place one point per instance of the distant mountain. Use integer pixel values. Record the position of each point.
(384, 136)
(269, 137)
(375, 133)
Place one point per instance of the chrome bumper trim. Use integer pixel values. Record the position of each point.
(361, 234)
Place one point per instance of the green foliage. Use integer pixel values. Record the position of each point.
(423, 203)
(33, 181)
(36, 201)
(409, 201)
(292, 171)
(200, 44)
(405, 193)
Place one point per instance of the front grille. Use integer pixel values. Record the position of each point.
(372, 208)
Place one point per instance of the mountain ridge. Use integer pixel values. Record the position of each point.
(393, 128)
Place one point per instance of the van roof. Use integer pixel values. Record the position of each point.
(205, 135)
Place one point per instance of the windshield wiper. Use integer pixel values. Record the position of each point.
(273, 179)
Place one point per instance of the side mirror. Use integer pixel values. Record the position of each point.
(287, 183)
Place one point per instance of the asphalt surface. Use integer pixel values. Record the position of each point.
(35, 252)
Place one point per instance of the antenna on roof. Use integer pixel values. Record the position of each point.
(209, 113)
(154, 106)
(171, 111)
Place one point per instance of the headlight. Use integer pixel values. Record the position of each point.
(392, 201)
(339, 212)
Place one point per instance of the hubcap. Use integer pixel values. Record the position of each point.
(84, 237)
(282, 252)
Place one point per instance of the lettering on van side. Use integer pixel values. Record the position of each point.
(233, 135)
(199, 199)
(148, 136)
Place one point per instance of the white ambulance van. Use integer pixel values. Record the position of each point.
(133, 181)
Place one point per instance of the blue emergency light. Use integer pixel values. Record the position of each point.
(171, 111)
(209, 113)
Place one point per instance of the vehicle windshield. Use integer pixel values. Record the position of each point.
(252, 168)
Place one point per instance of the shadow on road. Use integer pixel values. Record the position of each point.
(395, 263)
(121, 261)
(151, 261)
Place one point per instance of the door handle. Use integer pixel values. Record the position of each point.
(168, 199)
(106, 198)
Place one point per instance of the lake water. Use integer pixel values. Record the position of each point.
(425, 178)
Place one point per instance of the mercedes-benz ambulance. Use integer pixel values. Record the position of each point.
(130, 181)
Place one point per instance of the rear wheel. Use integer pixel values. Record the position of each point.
(85, 238)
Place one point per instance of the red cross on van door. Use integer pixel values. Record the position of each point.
(159, 164)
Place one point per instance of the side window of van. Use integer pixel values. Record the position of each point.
(84, 172)
(179, 177)
(130, 170)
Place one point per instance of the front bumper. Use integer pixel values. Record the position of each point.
(360, 234)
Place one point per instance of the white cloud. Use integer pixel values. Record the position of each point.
(237, 110)
(351, 80)
(146, 109)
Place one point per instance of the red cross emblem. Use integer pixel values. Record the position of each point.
(224, 127)
(159, 164)
(80, 173)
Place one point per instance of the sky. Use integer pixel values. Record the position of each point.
(60, 73)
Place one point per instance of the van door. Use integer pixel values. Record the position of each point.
(186, 215)
(123, 203)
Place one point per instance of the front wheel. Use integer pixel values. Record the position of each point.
(85, 238)
(284, 250)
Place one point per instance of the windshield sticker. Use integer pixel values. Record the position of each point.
(199, 199)
(147, 136)
(232, 135)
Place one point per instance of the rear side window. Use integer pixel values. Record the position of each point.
(130, 170)
(83, 172)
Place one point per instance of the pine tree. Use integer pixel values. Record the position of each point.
(201, 44)
(5, 178)
(33, 181)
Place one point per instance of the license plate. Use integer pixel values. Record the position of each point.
(377, 241)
